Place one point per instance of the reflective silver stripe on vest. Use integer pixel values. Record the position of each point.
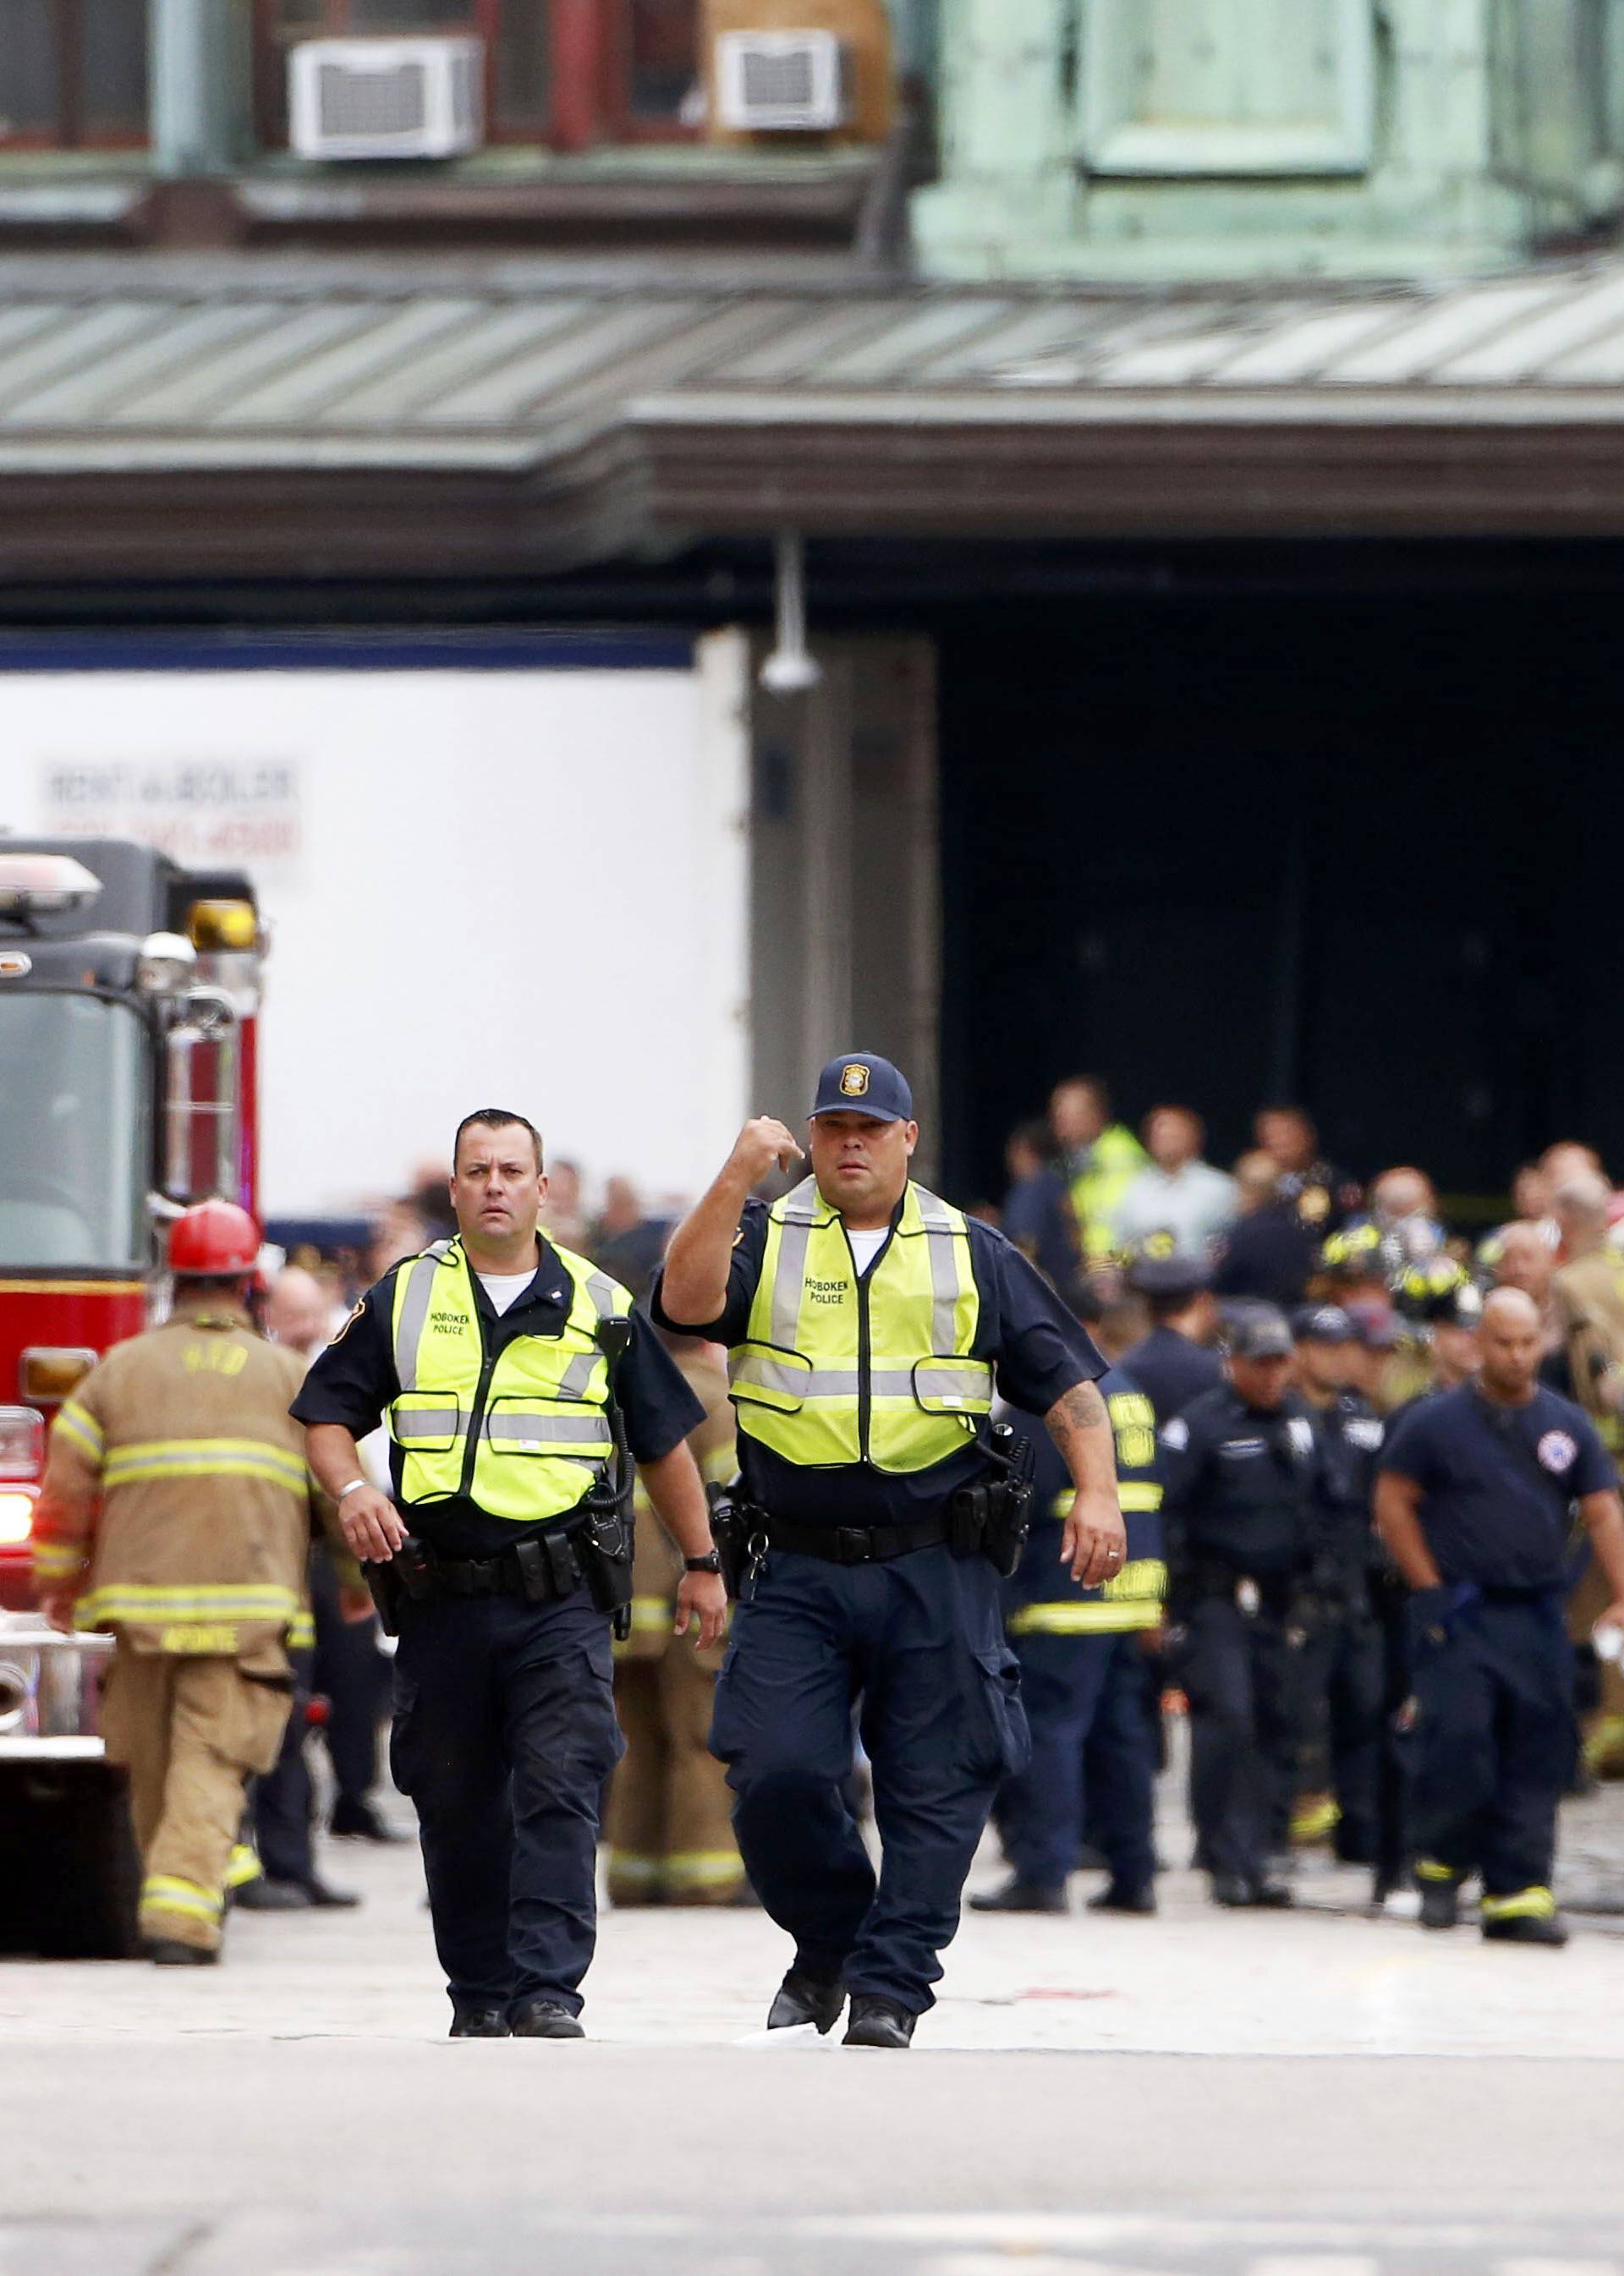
(550, 1430)
(799, 1212)
(428, 1422)
(414, 1311)
(943, 1250)
(577, 1377)
(819, 1381)
(968, 1383)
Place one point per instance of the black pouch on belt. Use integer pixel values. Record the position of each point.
(604, 1549)
(383, 1585)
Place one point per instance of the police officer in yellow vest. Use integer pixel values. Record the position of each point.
(511, 1372)
(866, 1320)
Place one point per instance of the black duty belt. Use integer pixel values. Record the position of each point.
(538, 1571)
(856, 1544)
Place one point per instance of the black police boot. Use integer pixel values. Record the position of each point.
(544, 2019)
(1440, 1904)
(1115, 1899)
(1019, 1896)
(263, 1895)
(877, 2022)
(325, 1898)
(362, 1821)
(1234, 1891)
(479, 2023)
(167, 1952)
(1526, 1930)
(803, 1998)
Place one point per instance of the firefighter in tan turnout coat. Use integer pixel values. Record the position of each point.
(176, 1512)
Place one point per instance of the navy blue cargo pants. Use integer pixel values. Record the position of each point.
(505, 1732)
(1240, 1678)
(1094, 1746)
(920, 1643)
(1493, 1739)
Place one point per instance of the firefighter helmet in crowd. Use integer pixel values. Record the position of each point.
(213, 1239)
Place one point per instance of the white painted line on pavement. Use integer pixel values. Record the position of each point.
(1312, 2263)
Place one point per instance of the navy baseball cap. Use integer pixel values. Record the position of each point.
(1374, 1326)
(861, 1082)
(1156, 1266)
(1323, 1324)
(1258, 1331)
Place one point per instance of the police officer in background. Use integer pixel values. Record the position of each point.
(1082, 1655)
(1474, 1499)
(1240, 1469)
(866, 1320)
(1445, 1304)
(1175, 1362)
(1341, 1765)
(513, 1373)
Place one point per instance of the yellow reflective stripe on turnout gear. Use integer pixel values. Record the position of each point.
(1526, 1904)
(164, 1893)
(81, 1429)
(1428, 1869)
(301, 1635)
(1092, 1617)
(703, 1869)
(58, 1560)
(245, 1866)
(629, 1865)
(539, 1420)
(196, 1458)
(652, 1615)
(809, 1384)
(1134, 1499)
(210, 1602)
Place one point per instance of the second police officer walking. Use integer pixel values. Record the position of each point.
(514, 1375)
(867, 1321)
(1240, 1468)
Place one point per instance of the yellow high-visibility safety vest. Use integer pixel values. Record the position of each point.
(835, 1369)
(526, 1438)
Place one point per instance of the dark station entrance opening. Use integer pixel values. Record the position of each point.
(1359, 846)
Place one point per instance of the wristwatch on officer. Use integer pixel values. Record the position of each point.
(708, 1563)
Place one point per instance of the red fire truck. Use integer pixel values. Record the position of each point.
(129, 1001)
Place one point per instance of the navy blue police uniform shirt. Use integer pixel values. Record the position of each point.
(1240, 1484)
(1038, 1349)
(1498, 1484)
(354, 1381)
(1170, 1370)
(1041, 1578)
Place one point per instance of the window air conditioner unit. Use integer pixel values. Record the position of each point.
(783, 82)
(386, 98)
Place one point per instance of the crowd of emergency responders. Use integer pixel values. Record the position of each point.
(1287, 1317)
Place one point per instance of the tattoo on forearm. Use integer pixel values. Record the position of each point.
(1078, 1410)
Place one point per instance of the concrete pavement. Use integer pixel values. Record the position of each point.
(1203, 2091)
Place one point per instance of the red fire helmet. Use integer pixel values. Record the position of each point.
(216, 1238)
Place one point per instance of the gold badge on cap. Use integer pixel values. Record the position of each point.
(854, 1081)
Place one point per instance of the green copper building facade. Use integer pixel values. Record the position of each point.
(1165, 139)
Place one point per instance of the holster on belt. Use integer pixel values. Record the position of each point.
(993, 1517)
(736, 1524)
(383, 1586)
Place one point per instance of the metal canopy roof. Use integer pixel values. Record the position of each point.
(511, 414)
